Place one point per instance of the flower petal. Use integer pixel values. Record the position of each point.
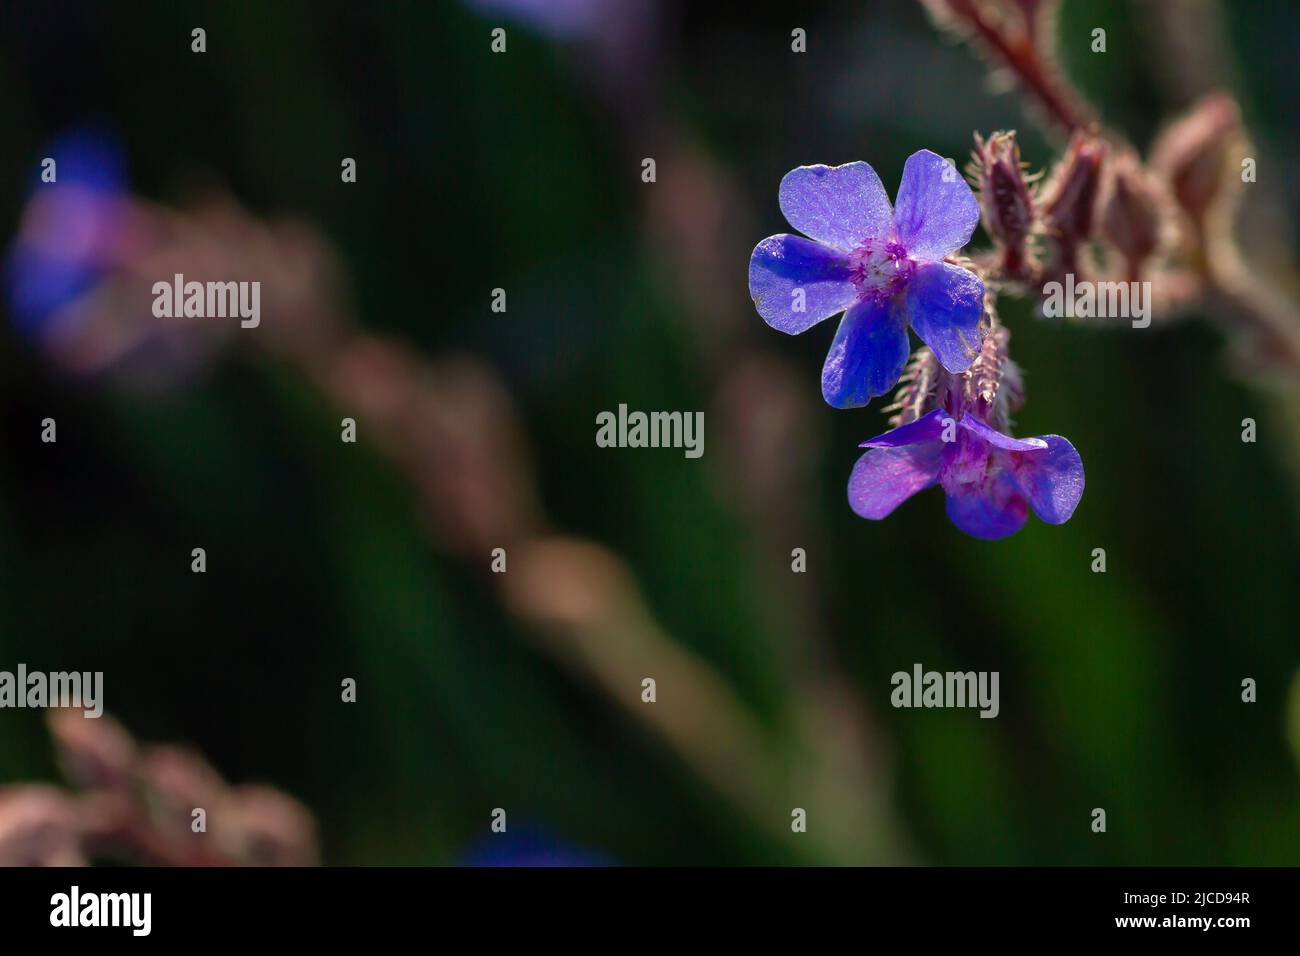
(782, 265)
(944, 305)
(991, 511)
(926, 428)
(884, 478)
(71, 231)
(837, 205)
(995, 437)
(1053, 480)
(936, 211)
(867, 356)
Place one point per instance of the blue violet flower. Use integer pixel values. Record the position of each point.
(882, 266)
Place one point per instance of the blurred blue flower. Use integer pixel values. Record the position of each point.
(71, 228)
(559, 18)
(530, 847)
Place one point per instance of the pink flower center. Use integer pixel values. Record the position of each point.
(966, 464)
(881, 269)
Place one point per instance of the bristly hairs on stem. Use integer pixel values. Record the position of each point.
(1018, 38)
(918, 388)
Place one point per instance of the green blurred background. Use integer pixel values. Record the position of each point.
(1118, 690)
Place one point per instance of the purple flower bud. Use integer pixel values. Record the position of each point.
(39, 827)
(1068, 198)
(1192, 155)
(260, 826)
(992, 387)
(95, 754)
(1006, 199)
(1131, 212)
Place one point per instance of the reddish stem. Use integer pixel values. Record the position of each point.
(1018, 53)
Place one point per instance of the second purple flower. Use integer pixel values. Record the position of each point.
(991, 479)
(880, 265)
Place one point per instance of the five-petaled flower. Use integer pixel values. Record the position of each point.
(991, 479)
(883, 265)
